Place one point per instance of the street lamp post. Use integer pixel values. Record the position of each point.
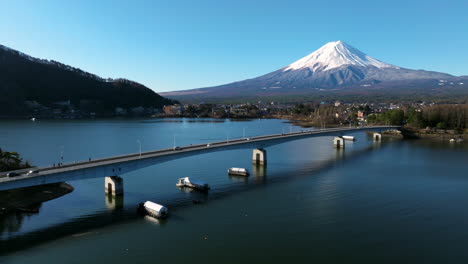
(61, 154)
(139, 143)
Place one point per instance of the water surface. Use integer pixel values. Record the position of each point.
(395, 201)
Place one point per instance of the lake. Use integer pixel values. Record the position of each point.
(385, 202)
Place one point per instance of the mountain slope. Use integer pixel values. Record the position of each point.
(24, 78)
(334, 55)
(335, 66)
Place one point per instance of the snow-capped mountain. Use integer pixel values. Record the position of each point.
(334, 55)
(336, 65)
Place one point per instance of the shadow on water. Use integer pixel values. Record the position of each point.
(119, 214)
(18, 204)
(197, 197)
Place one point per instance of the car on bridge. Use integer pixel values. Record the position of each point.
(13, 174)
(33, 171)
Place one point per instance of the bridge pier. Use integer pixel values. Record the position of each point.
(259, 156)
(377, 136)
(113, 185)
(338, 142)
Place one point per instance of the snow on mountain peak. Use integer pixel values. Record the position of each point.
(333, 55)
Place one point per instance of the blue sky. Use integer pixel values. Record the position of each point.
(175, 45)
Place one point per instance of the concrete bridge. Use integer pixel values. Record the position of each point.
(113, 167)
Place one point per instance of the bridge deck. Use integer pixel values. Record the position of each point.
(208, 147)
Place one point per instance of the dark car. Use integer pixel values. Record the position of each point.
(13, 174)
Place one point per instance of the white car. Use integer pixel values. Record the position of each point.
(33, 171)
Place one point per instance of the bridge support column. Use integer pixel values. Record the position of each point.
(377, 137)
(113, 185)
(338, 142)
(259, 156)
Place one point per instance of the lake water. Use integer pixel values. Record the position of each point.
(389, 202)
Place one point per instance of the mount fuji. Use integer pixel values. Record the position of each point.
(336, 66)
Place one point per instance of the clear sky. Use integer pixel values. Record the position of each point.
(174, 45)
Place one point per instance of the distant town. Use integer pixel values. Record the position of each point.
(418, 114)
(343, 111)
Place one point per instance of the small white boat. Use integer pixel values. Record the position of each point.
(350, 138)
(194, 184)
(238, 171)
(452, 140)
(154, 209)
(33, 119)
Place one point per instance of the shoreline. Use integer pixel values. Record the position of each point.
(29, 199)
(304, 122)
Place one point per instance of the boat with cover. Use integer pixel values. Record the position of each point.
(154, 209)
(194, 184)
(350, 138)
(238, 171)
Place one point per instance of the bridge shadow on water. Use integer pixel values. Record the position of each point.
(117, 213)
(18, 204)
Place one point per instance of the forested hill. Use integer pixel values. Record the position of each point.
(27, 82)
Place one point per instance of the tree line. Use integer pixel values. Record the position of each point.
(11, 161)
(23, 80)
(436, 116)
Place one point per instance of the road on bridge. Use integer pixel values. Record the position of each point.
(208, 147)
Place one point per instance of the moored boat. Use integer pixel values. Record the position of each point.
(194, 184)
(350, 138)
(238, 171)
(153, 209)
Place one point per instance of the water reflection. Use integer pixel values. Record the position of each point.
(259, 173)
(238, 178)
(196, 196)
(19, 203)
(11, 222)
(119, 213)
(114, 202)
(154, 221)
(340, 153)
(377, 144)
(186, 121)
